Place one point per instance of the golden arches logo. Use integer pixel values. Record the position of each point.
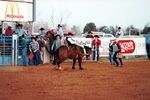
(12, 8)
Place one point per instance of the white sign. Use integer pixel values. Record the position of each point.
(83, 41)
(16, 11)
(129, 46)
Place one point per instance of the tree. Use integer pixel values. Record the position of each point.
(105, 29)
(131, 30)
(109, 30)
(146, 29)
(89, 27)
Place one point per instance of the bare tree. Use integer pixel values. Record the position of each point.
(62, 19)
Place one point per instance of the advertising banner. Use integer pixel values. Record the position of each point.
(129, 46)
(83, 41)
(16, 11)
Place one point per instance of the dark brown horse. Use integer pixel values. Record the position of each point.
(70, 52)
(67, 52)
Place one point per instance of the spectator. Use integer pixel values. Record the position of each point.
(42, 45)
(89, 35)
(42, 32)
(119, 32)
(9, 31)
(116, 50)
(111, 53)
(34, 47)
(20, 31)
(95, 45)
(24, 50)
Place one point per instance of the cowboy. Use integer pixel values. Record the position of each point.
(54, 48)
(56, 44)
(59, 31)
(95, 45)
(70, 41)
(20, 31)
(42, 32)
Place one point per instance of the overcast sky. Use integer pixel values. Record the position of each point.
(102, 12)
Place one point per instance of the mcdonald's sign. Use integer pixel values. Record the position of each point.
(12, 11)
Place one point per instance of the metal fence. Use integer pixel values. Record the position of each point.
(10, 50)
(5, 50)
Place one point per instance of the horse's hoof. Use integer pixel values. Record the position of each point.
(81, 68)
(73, 67)
(59, 68)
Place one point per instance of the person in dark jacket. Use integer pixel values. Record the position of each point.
(54, 48)
(116, 50)
(24, 50)
(111, 53)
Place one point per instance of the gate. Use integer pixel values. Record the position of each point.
(10, 50)
(6, 50)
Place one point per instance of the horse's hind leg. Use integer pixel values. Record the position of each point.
(59, 67)
(80, 61)
(74, 62)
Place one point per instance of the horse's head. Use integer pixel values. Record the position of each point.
(49, 35)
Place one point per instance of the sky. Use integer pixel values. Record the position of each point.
(122, 13)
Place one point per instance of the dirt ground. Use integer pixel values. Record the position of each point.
(99, 81)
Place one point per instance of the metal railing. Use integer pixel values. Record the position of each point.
(5, 50)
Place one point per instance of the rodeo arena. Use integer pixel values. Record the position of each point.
(41, 65)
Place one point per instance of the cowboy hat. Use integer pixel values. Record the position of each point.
(96, 36)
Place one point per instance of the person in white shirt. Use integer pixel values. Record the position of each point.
(119, 33)
(59, 31)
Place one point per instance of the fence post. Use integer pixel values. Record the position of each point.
(14, 49)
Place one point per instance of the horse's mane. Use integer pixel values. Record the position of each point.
(50, 35)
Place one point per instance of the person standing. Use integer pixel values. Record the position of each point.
(117, 50)
(34, 48)
(42, 45)
(9, 31)
(95, 46)
(54, 48)
(42, 32)
(89, 35)
(24, 50)
(20, 31)
(111, 53)
(119, 32)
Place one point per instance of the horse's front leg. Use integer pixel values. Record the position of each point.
(80, 62)
(74, 62)
(58, 64)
